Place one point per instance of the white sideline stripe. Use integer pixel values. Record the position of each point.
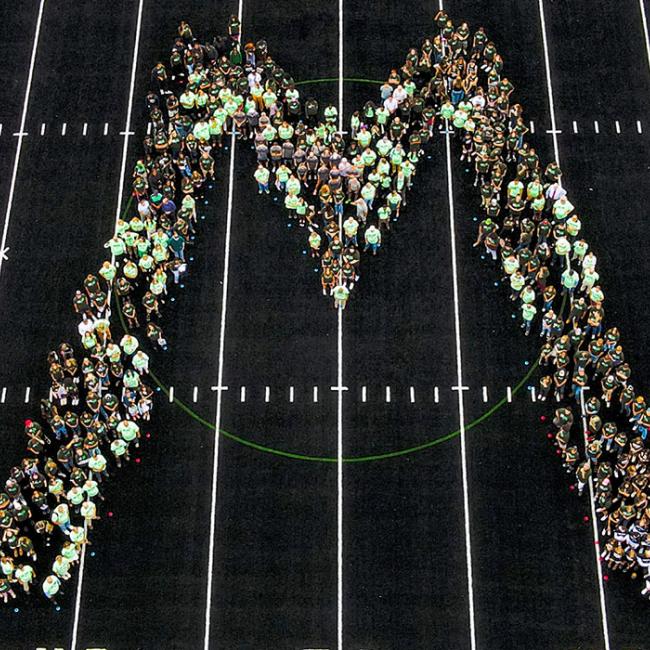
(222, 343)
(603, 608)
(595, 534)
(460, 383)
(118, 209)
(644, 20)
(21, 132)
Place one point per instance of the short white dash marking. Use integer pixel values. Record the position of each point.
(533, 396)
(85, 129)
(3, 396)
(532, 126)
(149, 128)
(364, 394)
(267, 393)
(412, 394)
(105, 128)
(291, 394)
(618, 126)
(171, 394)
(315, 394)
(64, 128)
(43, 128)
(436, 395)
(388, 393)
(509, 394)
(242, 394)
(575, 126)
(639, 128)
(195, 394)
(28, 390)
(596, 126)
(485, 394)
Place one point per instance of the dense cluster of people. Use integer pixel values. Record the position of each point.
(99, 397)
(532, 232)
(347, 194)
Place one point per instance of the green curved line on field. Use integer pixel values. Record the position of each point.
(332, 459)
(324, 80)
(346, 459)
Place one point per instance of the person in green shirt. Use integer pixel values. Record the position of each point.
(341, 294)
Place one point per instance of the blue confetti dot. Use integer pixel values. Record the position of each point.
(474, 218)
(202, 217)
(482, 257)
(58, 608)
(210, 186)
(304, 252)
(206, 202)
(173, 299)
(275, 198)
(289, 225)
(428, 157)
(157, 389)
(182, 286)
(92, 553)
(526, 363)
(514, 316)
(16, 610)
(315, 270)
(496, 284)
(191, 259)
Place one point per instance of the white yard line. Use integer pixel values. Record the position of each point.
(217, 417)
(134, 65)
(339, 409)
(460, 383)
(20, 135)
(603, 604)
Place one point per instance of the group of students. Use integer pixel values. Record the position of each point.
(348, 194)
(533, 234)
(91, 421)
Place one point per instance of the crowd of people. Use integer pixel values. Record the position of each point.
(90, 424)
(533, 234)
(347, 194)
